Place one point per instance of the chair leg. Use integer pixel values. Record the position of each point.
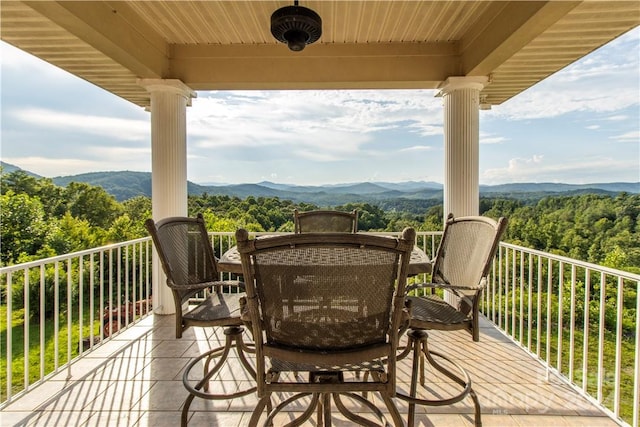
(233, 338)
(271, 414)
(418, 343)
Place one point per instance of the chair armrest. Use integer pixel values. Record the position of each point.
(477, 287)
(450, 287)
(415, 286)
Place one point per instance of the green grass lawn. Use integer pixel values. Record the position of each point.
(35, 353)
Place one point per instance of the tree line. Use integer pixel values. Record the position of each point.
(41, 219)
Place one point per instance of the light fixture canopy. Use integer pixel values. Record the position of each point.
(297, 26)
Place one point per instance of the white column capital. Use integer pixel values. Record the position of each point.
(454, 83)
(174, 86)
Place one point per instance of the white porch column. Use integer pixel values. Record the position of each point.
(169, 101)
(461, 144)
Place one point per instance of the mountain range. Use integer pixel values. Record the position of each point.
(124, 185)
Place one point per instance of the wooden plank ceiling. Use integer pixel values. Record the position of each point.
(365, 44)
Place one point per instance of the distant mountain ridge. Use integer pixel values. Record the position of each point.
(124, 185)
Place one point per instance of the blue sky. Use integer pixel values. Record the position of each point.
(581, 125)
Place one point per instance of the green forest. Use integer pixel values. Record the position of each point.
(41, 219)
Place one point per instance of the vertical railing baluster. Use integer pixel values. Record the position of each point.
(521, 297)
(560, 312)
(9, 335)
(56, 316)
(101, 313)
(148, 273)
(42, 324)
(25, 347)
(539, 307)
(636, 369)
(500, 252)
(512, 276)
(493, 291)
(69, 314)
(92, 319)
(618, 368)
(572, 321)
(134, 283)
(119, 287)
(601, 373)
(108, 321)
(530, 301)
(127, 303)
(80, 303)
(586, 330)
(507, 285)
(549, 292)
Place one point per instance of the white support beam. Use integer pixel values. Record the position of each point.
(346, 66)
(113, 29)
(505, 30)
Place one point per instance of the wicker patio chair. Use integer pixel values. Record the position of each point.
(321, 221)
(461, 266)
(363, 277)
(200, 298)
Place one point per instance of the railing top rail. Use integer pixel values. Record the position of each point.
(57, 258)
(584, 264)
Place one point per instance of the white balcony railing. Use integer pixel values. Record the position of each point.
(56, 309)
(53, 310)
(581, 320)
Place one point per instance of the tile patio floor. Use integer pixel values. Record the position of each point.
(135, 379)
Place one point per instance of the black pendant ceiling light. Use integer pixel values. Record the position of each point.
(296, 26)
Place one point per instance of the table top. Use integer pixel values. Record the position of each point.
(230, 262)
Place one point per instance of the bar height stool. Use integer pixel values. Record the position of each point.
(461, 266)
(189, 263)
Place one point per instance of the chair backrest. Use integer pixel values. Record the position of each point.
(325, 221)
(318, 293)
(466, 250)
(185, 252)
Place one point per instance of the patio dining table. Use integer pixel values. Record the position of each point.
(230, 262)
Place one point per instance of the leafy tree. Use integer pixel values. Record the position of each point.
(23, 228)
(93, 204)
(123, 229)
(138, 210)
(51, 196)
(72, 234)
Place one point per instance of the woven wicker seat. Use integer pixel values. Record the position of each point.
(461, 266)
(345, 321)
(325, 221)
(188, 261)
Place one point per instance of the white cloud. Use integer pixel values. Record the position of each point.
(539, 169)
(485, 139)
(113, 127)
(593, 127)
(604, 82)
(319, 126)
(304, 112)
(418, 148)
(633, 136)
